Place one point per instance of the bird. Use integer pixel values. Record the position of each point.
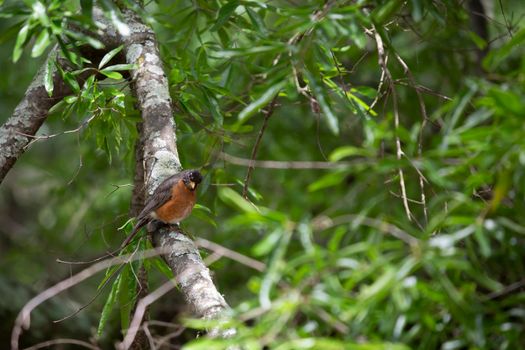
(171, 202)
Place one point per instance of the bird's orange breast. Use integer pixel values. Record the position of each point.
(179, 206)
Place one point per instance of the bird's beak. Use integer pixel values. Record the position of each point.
(192, 185)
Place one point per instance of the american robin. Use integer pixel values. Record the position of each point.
(171, 202)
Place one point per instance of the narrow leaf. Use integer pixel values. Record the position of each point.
(120, 67)
(107, 57)
(125, 294)
(70, 79)
(256, 20)
(320, 95)
(162, 267)
(112, 75)
(48, 76)
(229, 196)
(224, 14)
(87, 7)
(40, 13)
(262, 101)
(41, 43)
(20, 41)
(254, 50)
(108, 306)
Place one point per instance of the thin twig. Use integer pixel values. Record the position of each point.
(399, 151)
(117, 187)
(210, 259)
(332, 320)
(317, 16)
(506, 290)
(267, 114)
(507, 25)
(99, 291)
(233, 255)
(292, 164)
(151, 341)
(379, 95)
(409, 199)
(141, 309)
(23, 319)
(424, 118)
(49, 343)
(46, 137)
(323, 222)
(162, 341)
(423, 89)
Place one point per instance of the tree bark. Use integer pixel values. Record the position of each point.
(161, 160)
(28, 116)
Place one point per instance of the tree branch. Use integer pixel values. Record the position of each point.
(290, 164)
(23, 319)
(34, 107)
(161, 160)
(29, 115)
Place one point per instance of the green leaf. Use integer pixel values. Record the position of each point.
(204, 213)
(483, 241)
(328, 180)
(20, 41)
(60, 106)
(495, 57)
(67, 52)
(108, 306)
(275, 267)
(382, 14)
(267, 244)
(125, 293)
(207, 344)
(256, 20)
(110, 272)
(112, 12)
(107, 57)
(10, 33)
(224, 14)
(83, 38)
(48, 76)
(320, 95)
(253, 50)
(229, 196)
(348, 151)
(112, 75)
(41, 43)
(361, 106)
(70, 80)
(213, 107)
(260, 102)
(161, 266)
(70, 99)
(87, 7)
(40, 13)
(117, 67)
(335, 344)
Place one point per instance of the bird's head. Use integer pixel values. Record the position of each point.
(191, 179)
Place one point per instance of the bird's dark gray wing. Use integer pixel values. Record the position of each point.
(161, 195)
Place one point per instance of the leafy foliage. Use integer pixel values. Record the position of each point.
(346, 267)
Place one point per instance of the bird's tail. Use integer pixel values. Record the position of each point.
(141, 223)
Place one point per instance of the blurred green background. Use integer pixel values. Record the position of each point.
(337, 275)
